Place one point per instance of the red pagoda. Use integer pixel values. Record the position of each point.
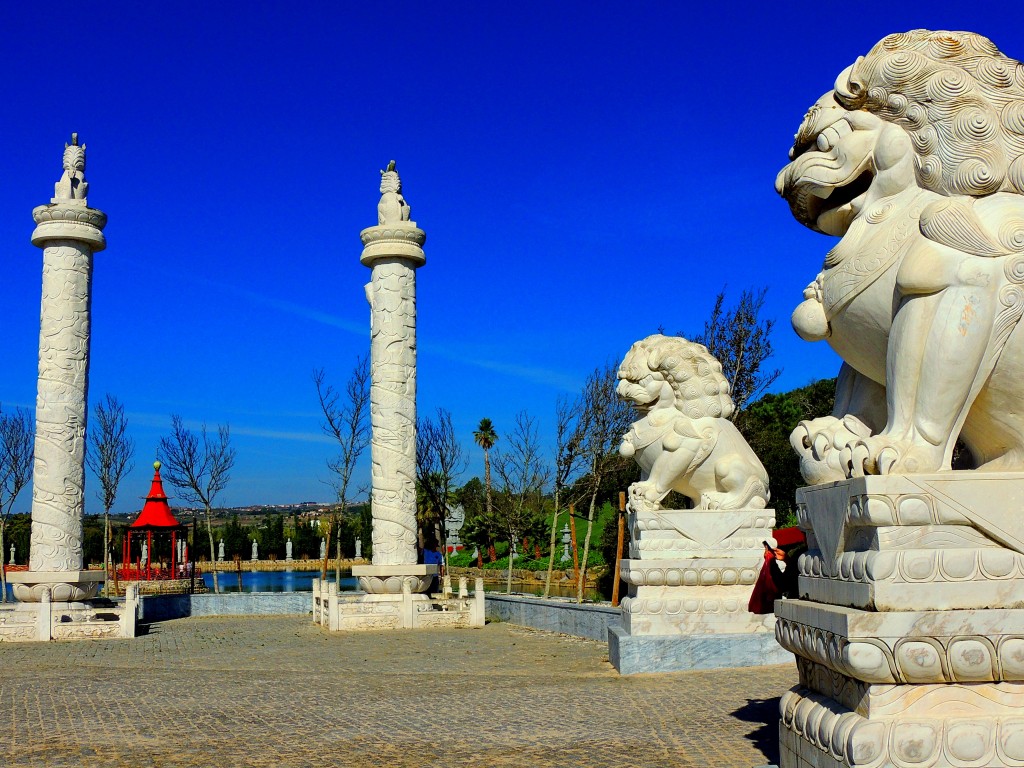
(156, 518)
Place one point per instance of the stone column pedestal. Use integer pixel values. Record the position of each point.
(690, 576)
(910, 639)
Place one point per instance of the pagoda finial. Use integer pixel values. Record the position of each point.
(72, 185)
(157, 465)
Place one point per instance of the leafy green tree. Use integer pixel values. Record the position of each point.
(740, 339)
(271, 537)
(306, 542)
(767, 425)
(237, 541)
(478, 530)
(17, 447)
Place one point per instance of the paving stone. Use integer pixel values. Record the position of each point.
(278, 691)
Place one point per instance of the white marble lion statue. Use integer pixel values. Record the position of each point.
(915, 159)
(685, 441)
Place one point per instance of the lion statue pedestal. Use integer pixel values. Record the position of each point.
(691, 571)
(909, 637)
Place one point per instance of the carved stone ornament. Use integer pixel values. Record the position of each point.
(685, 441)
(909, 632)
(393, 250)
(69, 233)
(690, 571)
(915, 159)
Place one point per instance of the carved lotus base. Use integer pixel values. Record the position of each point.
(55, 586)
(391, 579)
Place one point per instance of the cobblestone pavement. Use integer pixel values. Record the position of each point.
(279, 691)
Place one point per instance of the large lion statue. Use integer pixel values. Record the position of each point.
(916, 160)
(685, 441)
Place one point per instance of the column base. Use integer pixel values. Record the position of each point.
(60, 586)
(389, 579)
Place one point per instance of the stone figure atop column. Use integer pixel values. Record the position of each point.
(69, 232)
(72, 185)
(392, 208)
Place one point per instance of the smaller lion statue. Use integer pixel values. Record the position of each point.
(685, 441)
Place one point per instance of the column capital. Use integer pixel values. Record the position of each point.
(402, 240)
(69, 220)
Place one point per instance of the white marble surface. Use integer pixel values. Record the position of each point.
(684, 441)
(922, 294)
(69, 232)
(393, 250)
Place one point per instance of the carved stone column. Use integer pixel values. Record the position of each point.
(69, 232)
(393, 250)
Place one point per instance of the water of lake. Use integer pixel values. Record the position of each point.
(302, 581)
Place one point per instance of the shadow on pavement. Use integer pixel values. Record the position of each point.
(765, 713)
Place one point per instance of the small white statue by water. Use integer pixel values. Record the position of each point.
(255, 550)
(288, 550)
(220, 551)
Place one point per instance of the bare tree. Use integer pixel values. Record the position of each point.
(568, 442)
(440, 460)
(108, 453)
(348, 423)
(17, 448)
(741, 341)
(199, 466)
(523, 475)
(604, 419)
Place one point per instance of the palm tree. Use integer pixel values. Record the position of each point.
(486, 437)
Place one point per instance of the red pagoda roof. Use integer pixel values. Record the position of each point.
(156, 513)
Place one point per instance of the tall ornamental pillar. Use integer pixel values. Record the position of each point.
(69, 232)
(393, 250)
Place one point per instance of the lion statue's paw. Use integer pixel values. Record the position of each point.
(643, 497)
(820, 444)
(886, 455)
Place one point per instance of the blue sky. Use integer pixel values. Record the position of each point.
(585, 173)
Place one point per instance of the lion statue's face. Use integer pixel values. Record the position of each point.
(842, 162)
(644, 392)
(936, 111)
(671, 372)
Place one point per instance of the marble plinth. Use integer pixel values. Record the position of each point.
(66, 586)
(910, 635)
(690, 576)
(340, 612)
(634, 654)
(45, 620)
